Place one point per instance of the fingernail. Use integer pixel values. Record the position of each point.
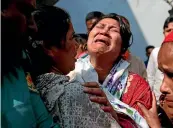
(85, 89)
(82, 84)
(138, 103)
(91, 97)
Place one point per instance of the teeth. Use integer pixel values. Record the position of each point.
(100, 40)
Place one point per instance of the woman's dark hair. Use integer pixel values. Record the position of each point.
(124, 30)
(53, 24)
(167, 21)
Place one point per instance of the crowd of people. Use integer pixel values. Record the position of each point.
(53, 77)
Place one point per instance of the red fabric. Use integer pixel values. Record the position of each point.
(126, 55)
(82, 54)
(125, 121)
(168, 38)
(138, 90)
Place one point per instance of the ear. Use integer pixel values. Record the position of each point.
(51, 51)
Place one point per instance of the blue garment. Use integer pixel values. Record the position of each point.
(20, 107)
(146, 63)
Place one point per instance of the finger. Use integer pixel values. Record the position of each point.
(99, 100)
(154, 102)
(94, 91)
(91, 84)
(106, 108)
(144, 109)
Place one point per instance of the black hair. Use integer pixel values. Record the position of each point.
(148, 47)
(5, 4)
(46, 2)
(84, 36)
(124, 30)
(125, 20)
(53, 24)
(167, 21)
(93, 15)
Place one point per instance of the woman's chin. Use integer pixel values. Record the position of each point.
(99, 49)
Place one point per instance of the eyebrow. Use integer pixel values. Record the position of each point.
(101, 23)
(112, 25)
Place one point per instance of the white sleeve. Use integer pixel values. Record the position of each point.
(76, 74)
(151, 69)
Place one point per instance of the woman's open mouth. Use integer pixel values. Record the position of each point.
(102, 41)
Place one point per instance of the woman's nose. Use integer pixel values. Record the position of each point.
(105, 32)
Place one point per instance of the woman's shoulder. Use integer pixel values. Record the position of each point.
(135, 78)
(136, 85)
(137, 89)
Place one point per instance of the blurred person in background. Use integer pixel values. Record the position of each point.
(91, 18)
(148, 51)
(81, 40)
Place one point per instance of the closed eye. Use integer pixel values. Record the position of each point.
(114, 30)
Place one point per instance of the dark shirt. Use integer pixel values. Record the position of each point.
(146, 63)
(164, 120)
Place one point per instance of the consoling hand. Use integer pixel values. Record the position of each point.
(98, 96)
(151, 115)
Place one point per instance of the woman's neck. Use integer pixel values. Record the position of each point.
(55, 70)
(102, 68)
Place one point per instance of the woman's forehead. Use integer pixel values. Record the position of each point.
(109, 21)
